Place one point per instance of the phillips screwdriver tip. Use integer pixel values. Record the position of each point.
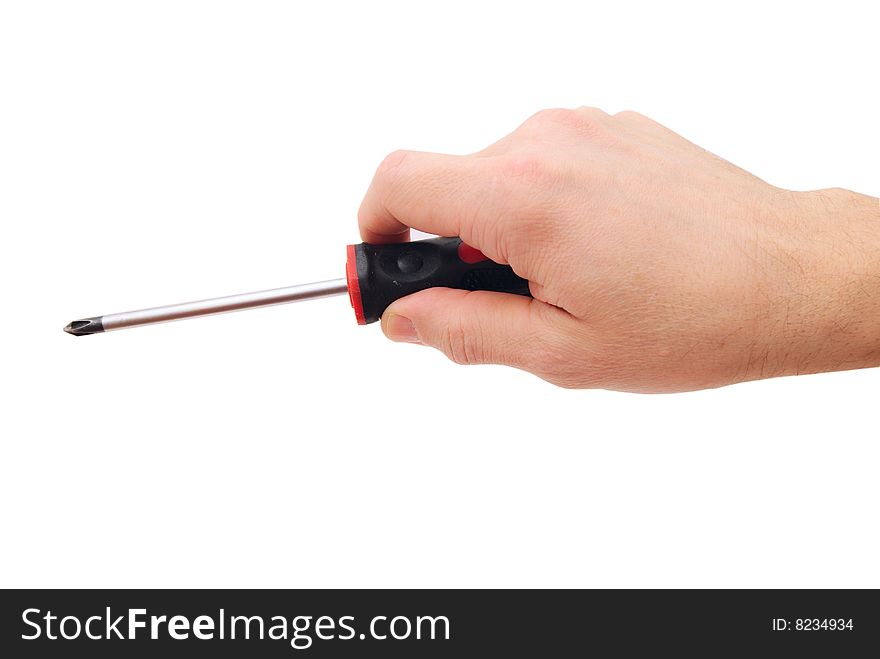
(85, 326)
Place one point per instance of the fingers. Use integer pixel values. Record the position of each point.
(425, 191)
(473, 196)
(446, 195)
(479, 327)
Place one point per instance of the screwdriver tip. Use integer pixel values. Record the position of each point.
(85, 326)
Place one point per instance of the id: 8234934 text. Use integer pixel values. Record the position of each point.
(812, 624)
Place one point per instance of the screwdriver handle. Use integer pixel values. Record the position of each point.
(379, 274)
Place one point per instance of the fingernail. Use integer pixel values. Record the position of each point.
(400, 328)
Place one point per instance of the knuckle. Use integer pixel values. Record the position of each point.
(391, 165)
(527, 166)
(528, 185)
(588, 112)
(585, 121)
(588, 122)
(630, 115)
(552, 115)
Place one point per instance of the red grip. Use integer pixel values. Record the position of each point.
(470, 254)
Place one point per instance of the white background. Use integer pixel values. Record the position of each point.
(166, 151)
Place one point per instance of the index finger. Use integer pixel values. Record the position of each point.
(431, 192)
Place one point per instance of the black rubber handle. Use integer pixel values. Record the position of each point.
(379, 274)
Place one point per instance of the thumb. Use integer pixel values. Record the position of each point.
(475, 327)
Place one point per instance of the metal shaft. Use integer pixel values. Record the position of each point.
(206, 307)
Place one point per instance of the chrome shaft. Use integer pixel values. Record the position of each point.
(207, 307)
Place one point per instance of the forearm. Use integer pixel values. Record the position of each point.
(828, 319)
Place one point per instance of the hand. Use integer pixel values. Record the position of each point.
(655, 265)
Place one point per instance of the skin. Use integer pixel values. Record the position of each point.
(655, 266)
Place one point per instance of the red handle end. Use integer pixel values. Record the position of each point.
(354, 286)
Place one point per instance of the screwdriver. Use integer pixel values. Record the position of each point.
(375, 276)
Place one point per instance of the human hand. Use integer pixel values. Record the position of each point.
(654, 265)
